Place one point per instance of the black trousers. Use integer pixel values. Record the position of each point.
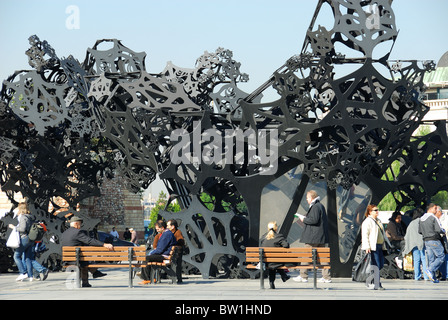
(272, 273)
(146, 272)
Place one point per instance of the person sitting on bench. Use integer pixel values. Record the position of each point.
(163, 249)
(74, 237)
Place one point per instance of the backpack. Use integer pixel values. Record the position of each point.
(37, 232)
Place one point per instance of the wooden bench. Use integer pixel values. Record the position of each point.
(122, 257)
(100, 257)
(297, 258)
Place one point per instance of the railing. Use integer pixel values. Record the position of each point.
(441, 103)
(438, 110)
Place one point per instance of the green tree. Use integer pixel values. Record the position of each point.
(160, 205)
(388, 203)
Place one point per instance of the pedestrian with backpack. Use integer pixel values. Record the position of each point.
(36, 235)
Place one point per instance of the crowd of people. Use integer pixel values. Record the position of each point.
(424, 238)
(29, 269)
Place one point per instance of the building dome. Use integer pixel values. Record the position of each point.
(443, 62)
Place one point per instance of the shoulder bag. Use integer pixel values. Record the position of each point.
(13, 239)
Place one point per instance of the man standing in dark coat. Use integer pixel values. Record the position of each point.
(315, 232)
(75, 237)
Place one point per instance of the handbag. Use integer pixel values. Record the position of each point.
(363, 269)
(13, 239)
(386, 239)
(408, 264)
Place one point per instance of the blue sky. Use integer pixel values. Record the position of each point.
(262, 34)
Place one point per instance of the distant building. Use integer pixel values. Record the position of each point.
(116, 207)
(437, 92)
(148, 203)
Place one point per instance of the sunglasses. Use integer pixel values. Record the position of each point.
(375, 210)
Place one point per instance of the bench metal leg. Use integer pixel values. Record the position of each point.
(130, 285)
(78, 268)
(314, 251)
(261, 270)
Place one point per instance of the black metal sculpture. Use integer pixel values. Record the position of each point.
(224, 154)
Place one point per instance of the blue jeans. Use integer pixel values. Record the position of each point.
(377, 257)
(25, 250)
(444, 267)
(36, 265)
(419, 259)
(435, 254)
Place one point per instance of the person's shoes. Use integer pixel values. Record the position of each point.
(430, 276)
(323, 280)
(144, 282)
(271, 285)
(29, 279)
(399, 262)
(22, 277)
(98, 274)
(300, 279)
(44, 275)
(285, 278)
(86, 285)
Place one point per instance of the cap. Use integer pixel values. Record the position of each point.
(75, 219)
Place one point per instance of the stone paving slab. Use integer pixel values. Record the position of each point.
(114, 286)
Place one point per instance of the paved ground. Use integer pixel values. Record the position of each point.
(115, 287)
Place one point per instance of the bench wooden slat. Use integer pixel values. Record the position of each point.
(280, 249)
(267, 255)
(100, 265)
(288, 254)
(118, 258)
(250, 266)
(110, 259)
(282, 260)
(104, 254)
(92, 248)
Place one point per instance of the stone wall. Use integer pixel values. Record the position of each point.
(116, 207)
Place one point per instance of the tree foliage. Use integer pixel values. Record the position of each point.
(160, 205)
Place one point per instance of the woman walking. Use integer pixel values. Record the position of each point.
(25, 248)
(372, 237)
